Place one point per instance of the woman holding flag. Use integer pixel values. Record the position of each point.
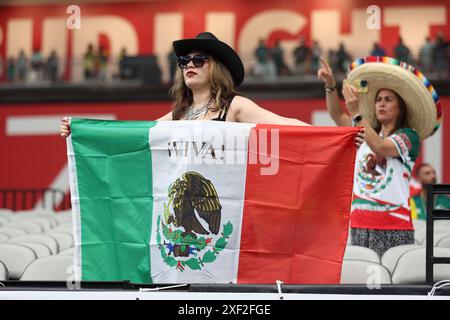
(204, 89)
(398, 108)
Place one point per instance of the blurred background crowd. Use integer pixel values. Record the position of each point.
(269, 61)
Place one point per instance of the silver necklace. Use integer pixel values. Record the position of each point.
(193, 114)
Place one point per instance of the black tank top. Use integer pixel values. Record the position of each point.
(223, 113)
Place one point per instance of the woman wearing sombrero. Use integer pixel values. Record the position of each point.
(204, 88)
(398, 107)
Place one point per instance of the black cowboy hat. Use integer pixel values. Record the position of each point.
(208, 43)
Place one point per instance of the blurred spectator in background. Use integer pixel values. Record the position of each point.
(172, 60)
(441, 55)
(378, 51)
(425, 174)
(270, 71)
(342, 59)
(402, 52)
(21, 66)
(426, 55)
(11, 69)
(89, 63)
(316, 53)
(332, 59)
(278, 59)
(37, 66)
(261, 52)
(263, 58)
(415, 187)
(52, 66)
(102, 63)
(122, 55)
(301, 54)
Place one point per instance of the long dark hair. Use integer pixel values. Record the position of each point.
(402, 120)
(222, 90)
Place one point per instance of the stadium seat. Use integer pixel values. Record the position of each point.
(63, 212)
(6, 212)
(439, 232)
(64, 228)
(66, 220)
(67, 232)
(4, 238)
(28, 226)
(49, 241)
(437, 237)
(53, 268)
(444, 242)
(444, 223)
(49, 221)
(391, 256)
(19, 215)
(410, 267)
(65, 223)
(68, 252)
(7, 217)
(16, 258)
(45, 224)
(3, 221)
(419, 224)
(361, 253)
(41, 250)
(364, 272)
(65, 240)
(50, 218)
(12, 232)
(3, 272)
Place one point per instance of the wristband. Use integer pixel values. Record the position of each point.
(356, 119)
(329, 89)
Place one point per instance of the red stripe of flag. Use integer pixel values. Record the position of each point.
(295, 223)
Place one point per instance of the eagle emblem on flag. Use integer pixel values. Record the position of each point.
(188, 231)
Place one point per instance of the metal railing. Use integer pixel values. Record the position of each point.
(34, 198)
(111, 71)
(433, 215)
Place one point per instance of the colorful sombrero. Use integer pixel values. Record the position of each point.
(424, 109)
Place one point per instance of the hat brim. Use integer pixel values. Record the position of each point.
(218, 49)
(423, 113)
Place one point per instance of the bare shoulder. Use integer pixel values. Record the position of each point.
(166, 117)
(245, 110)
(240, 102)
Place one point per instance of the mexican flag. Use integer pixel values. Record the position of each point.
(209, 201)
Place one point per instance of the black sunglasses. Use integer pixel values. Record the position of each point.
(198, 60)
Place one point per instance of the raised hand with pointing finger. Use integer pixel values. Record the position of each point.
(338, 114)
(325, 74)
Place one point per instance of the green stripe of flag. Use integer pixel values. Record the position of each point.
(114, 172)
